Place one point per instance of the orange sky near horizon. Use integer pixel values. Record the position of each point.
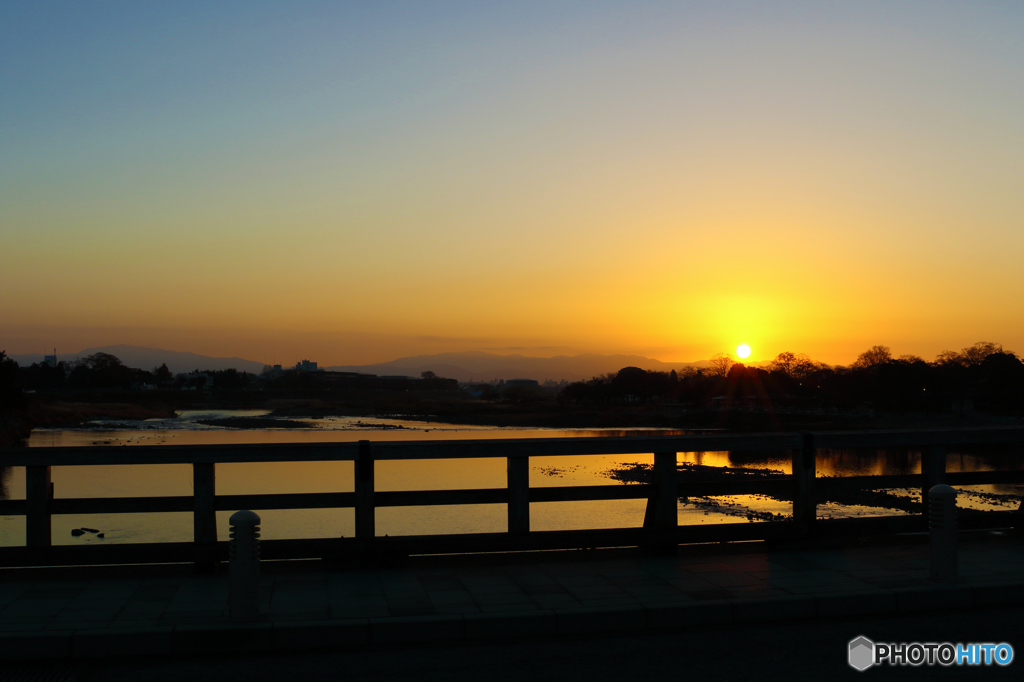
(356, 184)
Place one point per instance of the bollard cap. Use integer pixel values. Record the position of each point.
(942, 490)
(244, 518)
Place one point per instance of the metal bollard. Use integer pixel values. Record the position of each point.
(244, 551)
(942, 534)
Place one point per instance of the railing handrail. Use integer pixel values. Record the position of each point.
(499, 448)
(661, 491)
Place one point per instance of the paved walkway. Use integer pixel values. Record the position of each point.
(61, 613)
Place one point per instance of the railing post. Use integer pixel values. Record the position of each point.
(1018, 522)
(933, 468)
(244, 567)
(666, 482)
(518, 494)
(805, 507)
(662, 515)
(365, 512)
(204, 515)
(941, 511)
(38, 494)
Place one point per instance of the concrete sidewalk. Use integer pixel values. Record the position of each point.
(131, 611)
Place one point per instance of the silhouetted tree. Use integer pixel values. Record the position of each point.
(1000, 384)
(41, 376)
(430, 381)
(162, 373)
(633, 383)
(11, 396)
(523, 394)
(102, 370)
(720, 364)
(792, 365)
(971, 356)
(576, 392)
(875, 355)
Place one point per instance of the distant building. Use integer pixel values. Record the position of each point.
(307, 366)
(50, 360)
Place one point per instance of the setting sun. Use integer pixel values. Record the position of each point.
(743, 350)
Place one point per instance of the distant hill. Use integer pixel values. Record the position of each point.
(148, 358)
(486, 366)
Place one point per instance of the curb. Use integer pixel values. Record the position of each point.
(363, 632)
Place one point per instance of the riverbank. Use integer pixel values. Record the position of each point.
(678, 417)
(77, 410)
(76, 414)
(14, 428)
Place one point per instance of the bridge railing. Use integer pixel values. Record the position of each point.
(660, 529)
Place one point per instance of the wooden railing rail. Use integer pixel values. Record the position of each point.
(660, 526)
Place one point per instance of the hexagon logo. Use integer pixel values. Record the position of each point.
(862, 653)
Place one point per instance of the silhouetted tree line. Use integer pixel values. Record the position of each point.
(14, 424)
(12, 398)
(984, 375)
(295, 380)
(518, 391)
(229, 379)
(100, 370)
(429, 381)
(629, 384)
(106, 371)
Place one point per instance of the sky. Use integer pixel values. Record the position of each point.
(352, 182)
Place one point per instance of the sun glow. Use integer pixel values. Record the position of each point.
(743, 350)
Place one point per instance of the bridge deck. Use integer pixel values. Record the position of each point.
(114, 611)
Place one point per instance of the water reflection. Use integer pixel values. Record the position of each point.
(868, 461)
(859, 462)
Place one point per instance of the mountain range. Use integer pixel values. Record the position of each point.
(481, 366)
(466, 366)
